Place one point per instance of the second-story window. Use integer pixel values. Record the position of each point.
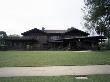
(54, 37)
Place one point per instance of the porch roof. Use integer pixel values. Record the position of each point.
(21, 39)
(55, 41)
(86, 38)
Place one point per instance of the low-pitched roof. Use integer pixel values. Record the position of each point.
(21, 38)
(87, 37)
(72, 29)
(35, 30)
(55, 31)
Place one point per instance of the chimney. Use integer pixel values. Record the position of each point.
(43, 29)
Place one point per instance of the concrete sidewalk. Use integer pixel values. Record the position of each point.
(54, 70)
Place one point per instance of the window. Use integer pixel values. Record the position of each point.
(54, 37)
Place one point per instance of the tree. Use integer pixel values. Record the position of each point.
(97, 16)
(3, 35)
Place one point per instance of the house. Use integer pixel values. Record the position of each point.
(70, 39)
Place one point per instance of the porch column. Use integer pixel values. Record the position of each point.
(69, 45)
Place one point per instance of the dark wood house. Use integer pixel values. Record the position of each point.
(71, 39)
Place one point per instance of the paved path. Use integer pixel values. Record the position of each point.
(54, 70)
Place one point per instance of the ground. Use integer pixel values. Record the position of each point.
(54, 58)
(91, 78)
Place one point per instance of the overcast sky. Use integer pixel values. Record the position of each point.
(17, 16)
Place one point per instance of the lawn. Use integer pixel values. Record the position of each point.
(52, 58)
(91, 78)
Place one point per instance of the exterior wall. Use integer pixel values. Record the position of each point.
(41, 39)
(52, 37)
(15, 45)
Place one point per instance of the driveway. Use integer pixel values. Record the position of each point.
(54, 70)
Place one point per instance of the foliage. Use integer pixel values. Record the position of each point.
(97, 16)
(106, 45)
(3, 35)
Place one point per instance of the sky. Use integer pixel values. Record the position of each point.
(18, 16)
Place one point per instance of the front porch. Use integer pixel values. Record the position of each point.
(78, 43)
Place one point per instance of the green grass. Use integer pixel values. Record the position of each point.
(52, 58)
(92, 78)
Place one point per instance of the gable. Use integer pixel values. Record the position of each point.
(73, 30)
(34, 31)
